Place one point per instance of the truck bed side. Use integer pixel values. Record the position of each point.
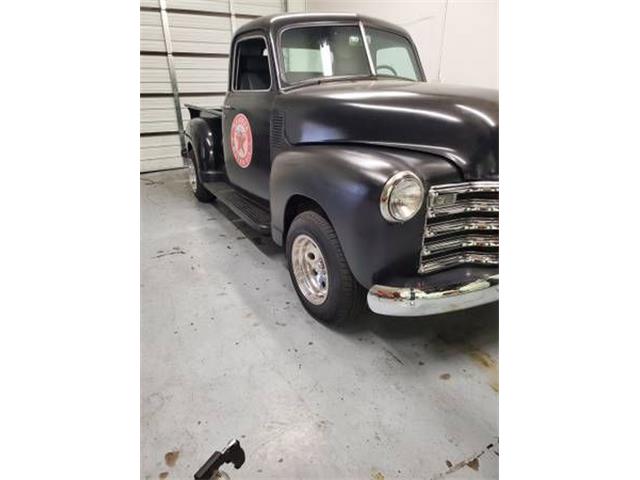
(203, 112)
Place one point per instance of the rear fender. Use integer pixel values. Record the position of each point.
(203, 136)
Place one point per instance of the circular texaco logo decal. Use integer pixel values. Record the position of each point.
(241, 140)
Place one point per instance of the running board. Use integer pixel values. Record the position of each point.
(250, 211)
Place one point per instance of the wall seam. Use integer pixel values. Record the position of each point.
(232, 17)
(164, 18)
(444, 28)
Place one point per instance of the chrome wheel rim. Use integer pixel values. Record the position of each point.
(191, 170)
(310, 269)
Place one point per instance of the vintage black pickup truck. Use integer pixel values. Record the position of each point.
(331, 141)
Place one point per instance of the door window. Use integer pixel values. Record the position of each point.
(252, 65)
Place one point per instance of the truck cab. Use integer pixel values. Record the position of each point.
(382, 188)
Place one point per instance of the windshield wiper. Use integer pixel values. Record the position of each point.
(394, 77)
(319, 80)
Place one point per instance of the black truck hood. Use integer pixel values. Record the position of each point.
(457, 123)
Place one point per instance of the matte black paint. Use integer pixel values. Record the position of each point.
(340, 143)
(257, 107)
(200, 133)
(457, 123)
(346, 181)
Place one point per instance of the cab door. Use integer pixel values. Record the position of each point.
(247, 115)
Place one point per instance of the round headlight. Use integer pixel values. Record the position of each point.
(401, 197)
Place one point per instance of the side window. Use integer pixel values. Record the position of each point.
(252, 65)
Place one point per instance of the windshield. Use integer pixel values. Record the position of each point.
(334, 51)
(320, 52)
(392, 55)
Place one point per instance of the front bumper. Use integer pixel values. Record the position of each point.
(414, 302)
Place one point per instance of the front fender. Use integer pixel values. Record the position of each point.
(346, 181)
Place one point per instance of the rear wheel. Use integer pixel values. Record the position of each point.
(201, 193)
(319, 271)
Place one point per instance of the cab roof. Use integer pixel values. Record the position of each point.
(271, 24)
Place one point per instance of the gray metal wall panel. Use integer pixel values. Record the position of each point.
(154, 74)
(257, 7)
(216, 6)
(201, 74)
(159, 114)
(241, 21)
(159, 153)
(195, 74)
(192, 33)
(151, 39)
(200, 37)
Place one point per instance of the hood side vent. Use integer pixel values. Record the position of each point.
(277, 138)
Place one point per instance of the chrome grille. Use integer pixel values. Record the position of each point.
(461, 226)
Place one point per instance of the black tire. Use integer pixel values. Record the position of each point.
(201, 193)
(346, 297)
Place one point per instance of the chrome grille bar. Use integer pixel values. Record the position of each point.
(461, 227)
(464, 187)
(459, 259)
(466, 241)
(465, 206)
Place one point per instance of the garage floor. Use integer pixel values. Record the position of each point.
(228, 352)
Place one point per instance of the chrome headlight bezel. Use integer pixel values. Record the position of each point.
(387, 192)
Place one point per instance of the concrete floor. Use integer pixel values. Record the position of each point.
(228, 352)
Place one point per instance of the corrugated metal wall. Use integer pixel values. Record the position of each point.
(200, 32)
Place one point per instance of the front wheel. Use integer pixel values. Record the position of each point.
(319, 271)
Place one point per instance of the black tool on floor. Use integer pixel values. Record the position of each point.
(232, 453)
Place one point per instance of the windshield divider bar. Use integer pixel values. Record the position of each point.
(366, 47)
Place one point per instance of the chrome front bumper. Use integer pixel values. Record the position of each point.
(413, 302)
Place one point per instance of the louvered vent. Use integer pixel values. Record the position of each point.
(278, 141)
